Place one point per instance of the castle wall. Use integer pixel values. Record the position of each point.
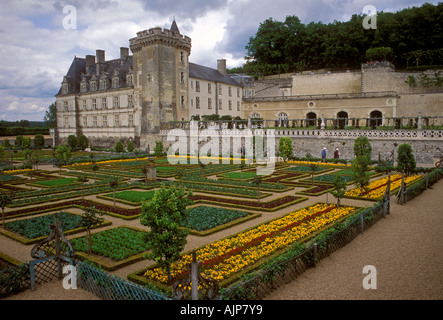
(326, 83)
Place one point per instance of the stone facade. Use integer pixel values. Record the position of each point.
(132, 97)
(377, 90)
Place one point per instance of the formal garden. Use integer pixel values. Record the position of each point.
(146, 230)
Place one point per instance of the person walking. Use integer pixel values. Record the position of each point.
(336, 154)
(323, 155)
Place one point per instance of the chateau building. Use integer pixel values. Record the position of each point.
(134, 96)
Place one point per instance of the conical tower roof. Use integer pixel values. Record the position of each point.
(174, 27)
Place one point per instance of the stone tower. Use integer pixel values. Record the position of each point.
(161, 71)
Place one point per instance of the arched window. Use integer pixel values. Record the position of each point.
(255, 115)
(282, 119)
(342, 118)
(376, 118)
(311, 118)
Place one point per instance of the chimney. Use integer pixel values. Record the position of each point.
(221, 66)
(90, 62)
(100, 61)
(124, 54)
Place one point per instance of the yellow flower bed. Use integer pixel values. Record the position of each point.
(102, 162)
(326, 164)
(224, 258)
(378, 187)
(18, 171)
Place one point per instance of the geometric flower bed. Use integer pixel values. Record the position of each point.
(204, 220)
(117, 243)
(377, 188)
(224, 259)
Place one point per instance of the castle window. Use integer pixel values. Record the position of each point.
(83, 87)
(94, 85)
(197, 86)
(282, 119)
(220, 89)
(238, 92)
(115, 82)
(209, 88)
(182, 101)
(104, 103)
(85, 122)
(131, 120)
(104, 121)
(65, 122)
(94, 104)
(65, 106)
(116, 120)
(182, 56)
(129, 80)
(230, 91)
(220, 104)
(255, 115)
(104, 84)
(130, 101)
(115, 103)
(197, 102)
(182, 77)
(84, 105)
(209, 103)
(94, 121)
(238, 105)
(230, 105)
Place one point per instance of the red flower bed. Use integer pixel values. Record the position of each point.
(265, 205)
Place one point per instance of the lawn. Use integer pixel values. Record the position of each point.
(133, 195)
(57, 182)
(238, 175)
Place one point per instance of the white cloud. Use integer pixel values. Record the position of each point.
(36, 51)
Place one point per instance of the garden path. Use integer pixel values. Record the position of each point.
(401, 242)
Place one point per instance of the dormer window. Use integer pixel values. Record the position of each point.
(93, 85)
(83, 85)
(104, 83)
(115, 82)
(129, 80)
(65, 86)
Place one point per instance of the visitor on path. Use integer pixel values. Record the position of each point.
(336, 154)
(323, 155)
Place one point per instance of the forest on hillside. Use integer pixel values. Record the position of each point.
(410, 38)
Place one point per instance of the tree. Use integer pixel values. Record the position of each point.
(285, 148)
(95, 168)
(406, 160)
(89, 220)
(312, 165)
(380, 54)
(50, 117)
(63, 154)
(257, 181)
(130, 146)
(158, 149)
(18, 141)
(119, 147)
(83, 142)
(82, 179)
(72, 141)
(26, 143)
(361, 162)
(339, 190)
(202, 166)
(5, 200)
(39, 141)
(165, 215)
(113, 183)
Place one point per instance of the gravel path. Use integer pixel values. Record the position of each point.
(406, 248)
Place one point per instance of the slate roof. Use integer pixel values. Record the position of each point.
(205, 73)
(78, 69)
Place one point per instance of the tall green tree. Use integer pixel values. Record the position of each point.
(91, 218)
(406, 160)
(165, 214)
(361, 162)
(5, 200)
(50, 117)
(285, 148)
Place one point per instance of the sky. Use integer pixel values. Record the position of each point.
(40, 38)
